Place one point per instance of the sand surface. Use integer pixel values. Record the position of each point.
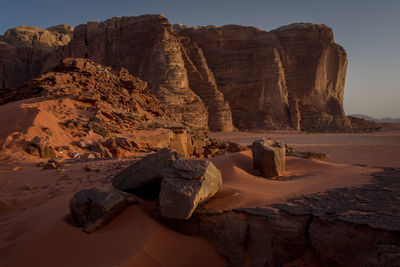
(380, 149)
(243, 188)
(36, 230)
(34, 213)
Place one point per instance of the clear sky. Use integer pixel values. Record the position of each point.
(369, 30)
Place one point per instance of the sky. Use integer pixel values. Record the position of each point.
(368, 30)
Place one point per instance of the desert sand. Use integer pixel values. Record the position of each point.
(243, 188)
(36, 223)
(36, 228)
(379, 149)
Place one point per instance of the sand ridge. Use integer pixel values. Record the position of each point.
(242, 188)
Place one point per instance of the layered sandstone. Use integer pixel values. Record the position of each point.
(248, 71)
(150, 49)
(216, 77)
(293, 75)
(23, 50)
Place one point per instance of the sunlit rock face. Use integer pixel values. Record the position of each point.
(292, 76)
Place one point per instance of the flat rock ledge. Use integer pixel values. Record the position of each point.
(358, 226)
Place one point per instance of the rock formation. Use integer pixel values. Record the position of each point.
(293, 75)
(180, 184)
(355, 226)
(23, 51)
(95, 207)
(142, 175)
(216, 77)
(150, 49)
(186, 184)
(269, 157)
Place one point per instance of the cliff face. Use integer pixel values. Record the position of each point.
(248, 71)
(216, 77)
(23, 49)
(150, 49)
(315, 69)
(293, 75)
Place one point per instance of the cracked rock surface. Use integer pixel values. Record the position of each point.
(357, 226)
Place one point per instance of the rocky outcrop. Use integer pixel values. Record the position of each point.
(216, 77)
(23, 51)
(356, 226)
(269, 157)
(119, 115)
(150, 49)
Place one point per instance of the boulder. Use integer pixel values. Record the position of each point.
(269, 157)
(93, 208)
(186, 184)
(39, 146)
(99, 129)
(99, 148)
(144, 176)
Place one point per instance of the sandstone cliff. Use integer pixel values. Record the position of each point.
(293, 75)
(150, 49)
(23, 50)
(216, 77)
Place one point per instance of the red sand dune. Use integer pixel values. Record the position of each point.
(35, 228)
(241, 188)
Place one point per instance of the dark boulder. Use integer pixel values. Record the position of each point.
(93, 208)
(186, 184)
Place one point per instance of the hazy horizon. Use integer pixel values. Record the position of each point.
(368, 30)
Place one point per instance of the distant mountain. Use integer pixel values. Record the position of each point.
(390, 120)
(369, 118)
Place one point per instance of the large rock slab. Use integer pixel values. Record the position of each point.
(185, 185)
(144, 176)
(269, 157)
(93, 208)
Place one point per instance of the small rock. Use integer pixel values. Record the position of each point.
(49, 166)
(93, 208)
(89, 169)
(269, 157)
(75, 155)
(33, 151)
(89, 156)
(99, 129)
(99, 148)
(84, 143)
(70, 124)
(27, 187)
